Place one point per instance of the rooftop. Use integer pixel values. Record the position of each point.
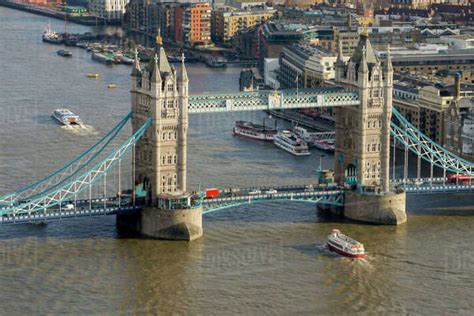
(306, 50)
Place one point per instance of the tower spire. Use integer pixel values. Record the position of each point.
(136, 70)
(184, 73)
(363, 67)
(155, 76)
(340, 56)
(158, 39)
(388, 62)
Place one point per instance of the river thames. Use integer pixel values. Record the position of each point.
(264, 258)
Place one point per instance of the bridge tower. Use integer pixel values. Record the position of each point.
(160, 92)
(362, 156)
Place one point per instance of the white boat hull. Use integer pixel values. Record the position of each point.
(304, 153)
(256, 136)
(67, 120)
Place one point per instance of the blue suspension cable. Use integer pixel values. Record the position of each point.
(119, 126)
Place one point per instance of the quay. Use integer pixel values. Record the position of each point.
(88, 20)
(295, 117)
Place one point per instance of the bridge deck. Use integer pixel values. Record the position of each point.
(112, 205)
(55, 215)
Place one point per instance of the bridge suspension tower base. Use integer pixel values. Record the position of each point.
(175, 218)
(386, 208)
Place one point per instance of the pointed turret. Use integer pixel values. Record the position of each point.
(363, 66)
(136, 70)
(388, 61)
(164, 64)
(340, 64)
(155, 70)
(364, 48)
(184, 73)
(340, 56)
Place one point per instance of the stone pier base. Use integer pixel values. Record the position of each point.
(176, 224)
(389, 208)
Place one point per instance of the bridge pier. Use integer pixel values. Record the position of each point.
(174, 219)
(386, 208)
(180, 224)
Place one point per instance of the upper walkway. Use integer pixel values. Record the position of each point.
(271, 100)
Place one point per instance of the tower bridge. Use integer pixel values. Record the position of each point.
(159, 206)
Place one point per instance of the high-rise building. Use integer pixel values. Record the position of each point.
(186, 23)
(229, 22)
(109, 10)
(309, 66)
(412, 4)
(197, 23)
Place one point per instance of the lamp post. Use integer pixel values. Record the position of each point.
(320, 171)
(321, 162)
(297, 85)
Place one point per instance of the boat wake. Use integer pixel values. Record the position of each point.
(80, 129)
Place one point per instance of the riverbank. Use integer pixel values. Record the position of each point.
(294, 117)
(88, 20)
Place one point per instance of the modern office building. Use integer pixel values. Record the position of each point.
(109, 10)
(227, 22)
(305, 65)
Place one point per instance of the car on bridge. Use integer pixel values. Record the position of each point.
(255, 192)
(69, 207)
(271, 191)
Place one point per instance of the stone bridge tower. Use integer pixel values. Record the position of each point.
(362, 156)
(160, 92)
(363, 132)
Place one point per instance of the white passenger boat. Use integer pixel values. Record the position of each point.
(344, 245)
(66, 117)
(254, 131)
(291, 143)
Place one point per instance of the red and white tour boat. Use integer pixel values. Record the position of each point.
(254, 131)
(344, 245)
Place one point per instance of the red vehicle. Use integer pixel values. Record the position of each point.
(460, 179)
(212, 193)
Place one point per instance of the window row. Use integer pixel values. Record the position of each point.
(372, 170)
(169, 159)
(374, 147)
(169, 135)
(374, 124)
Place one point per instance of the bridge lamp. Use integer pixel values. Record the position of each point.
(321, 162)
